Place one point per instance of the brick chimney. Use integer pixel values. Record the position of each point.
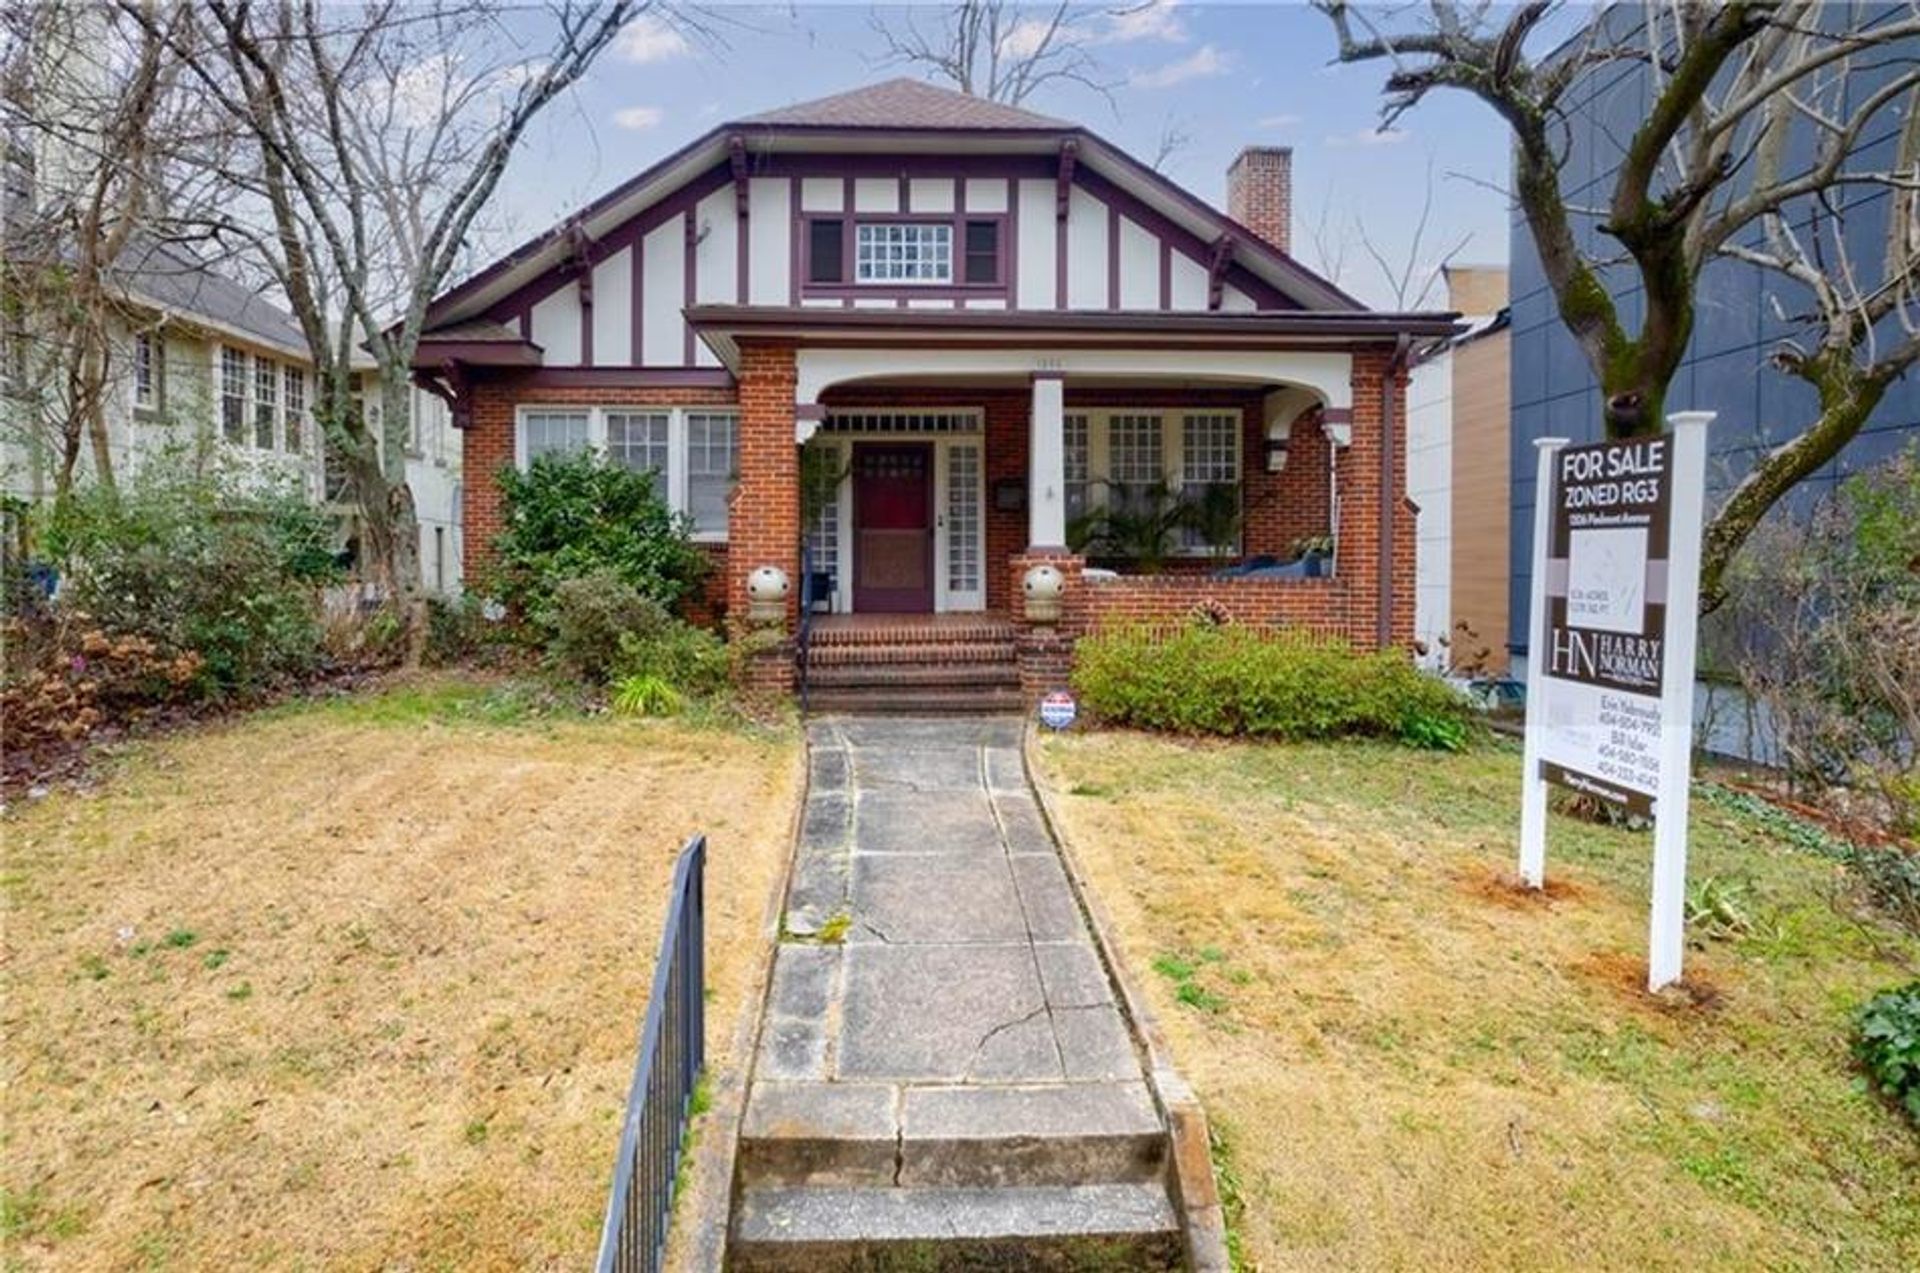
(1260, 193)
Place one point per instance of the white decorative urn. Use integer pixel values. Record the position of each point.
(767, 589)
(1044, 586)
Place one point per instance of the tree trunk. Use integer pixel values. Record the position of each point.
(396, 407)
(1848, 396)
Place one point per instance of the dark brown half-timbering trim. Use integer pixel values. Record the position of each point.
(1217, 270)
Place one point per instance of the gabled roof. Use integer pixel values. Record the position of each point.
(933, 121)
(173, 280)
(904, 103)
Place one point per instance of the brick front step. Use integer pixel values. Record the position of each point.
(927, 653)
(997, 675)
(907, 632)
(916, 701)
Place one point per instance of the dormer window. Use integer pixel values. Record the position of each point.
(845, 255)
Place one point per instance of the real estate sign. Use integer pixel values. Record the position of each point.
(1611, 650)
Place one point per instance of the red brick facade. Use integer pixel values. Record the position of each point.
(1279, 508)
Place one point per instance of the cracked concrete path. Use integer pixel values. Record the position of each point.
(931, 938)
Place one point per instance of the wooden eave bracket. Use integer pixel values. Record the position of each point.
(451, 387)
(1063, 189)
(737, 161)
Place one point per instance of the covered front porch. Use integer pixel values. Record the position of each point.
(1244, 466)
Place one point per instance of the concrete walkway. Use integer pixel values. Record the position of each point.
(938, 1016)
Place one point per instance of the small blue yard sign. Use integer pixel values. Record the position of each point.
(1057, 710)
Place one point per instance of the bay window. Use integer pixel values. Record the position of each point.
(692, 452)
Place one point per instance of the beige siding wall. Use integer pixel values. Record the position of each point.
(1480, 501)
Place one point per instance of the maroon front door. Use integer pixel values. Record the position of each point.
(893, 528)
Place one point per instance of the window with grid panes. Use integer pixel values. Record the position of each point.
(266, 401)
(1076, 435)
(554, 433)
(233, 395)
(641, 441)
(903, 252)
(1209, 469)
(1135, 447)
(146, 370)
(296, 422)
(712, 468)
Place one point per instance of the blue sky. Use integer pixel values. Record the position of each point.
(1224, 74)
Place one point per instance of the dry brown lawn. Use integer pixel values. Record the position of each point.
(1415, 1067)
(357, 986)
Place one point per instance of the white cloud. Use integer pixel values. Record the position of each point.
(1278, 121)
(649, 39)
(1202, 62)
(1025, 38)
(1368, 137)
(639, 118)
(1154, 20)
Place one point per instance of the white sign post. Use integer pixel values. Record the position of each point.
(1612, 621)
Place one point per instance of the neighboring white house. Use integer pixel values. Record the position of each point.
(198, 360)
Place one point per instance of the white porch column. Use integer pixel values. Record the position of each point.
(1047, 464)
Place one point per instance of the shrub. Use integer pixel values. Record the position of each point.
(1887, 1045)
(1822, 631)
(1209, 679)
(586, 618)
(211, 563)
(600, 628)
(570, 517)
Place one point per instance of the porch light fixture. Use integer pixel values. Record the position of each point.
(767, 589)
(1276, 455)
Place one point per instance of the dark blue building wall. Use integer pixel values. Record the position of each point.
(1735, 327)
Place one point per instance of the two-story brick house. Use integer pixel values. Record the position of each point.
(991, 327)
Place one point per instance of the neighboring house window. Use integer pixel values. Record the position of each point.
(296, 388)
(903, 252)
(146, 371)
(693, 452)
(233, 395)
(1134, 448)
(266, 399)
(554, 433)
(712, 469)
(639, 440)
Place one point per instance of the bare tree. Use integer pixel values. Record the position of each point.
(993, 49)
(1756, 110)
(379, 133)
(94, 115)
(1409, 277)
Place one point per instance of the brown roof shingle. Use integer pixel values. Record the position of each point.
(906, 104)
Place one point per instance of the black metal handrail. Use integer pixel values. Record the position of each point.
(804, 641)
(659, 1104)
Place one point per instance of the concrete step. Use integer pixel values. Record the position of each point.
(985, 651)
(1105, 1226)
(884, 675)
(916, 701)
(958, 1136)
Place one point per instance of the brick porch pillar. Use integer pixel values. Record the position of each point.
(763, 514)
(1363, 496)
